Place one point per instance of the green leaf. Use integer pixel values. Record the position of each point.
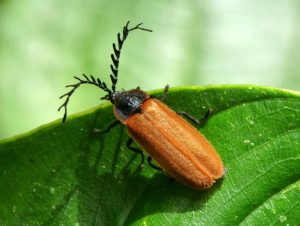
(61, 174)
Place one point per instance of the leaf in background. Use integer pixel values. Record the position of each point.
(59, 174)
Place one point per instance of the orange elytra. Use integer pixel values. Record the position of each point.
(179, 149)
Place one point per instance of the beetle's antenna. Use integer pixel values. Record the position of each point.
(115, 57)
(92, 81)
(114, 68)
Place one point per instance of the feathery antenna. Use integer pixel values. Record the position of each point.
(96, 81)
(92, 81)
(115, 57)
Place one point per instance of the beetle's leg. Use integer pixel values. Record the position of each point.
(149, 159)
(128, 144)
(200, 122)
(112, 125)
(164, 95)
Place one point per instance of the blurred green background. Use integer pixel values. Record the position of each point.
(44, 43)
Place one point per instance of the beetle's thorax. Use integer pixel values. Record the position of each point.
(127, 103)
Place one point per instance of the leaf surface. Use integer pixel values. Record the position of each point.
(62, 174)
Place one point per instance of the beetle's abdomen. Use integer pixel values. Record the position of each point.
(178, 147)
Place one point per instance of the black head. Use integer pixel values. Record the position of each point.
(128, 103)
(112, 95)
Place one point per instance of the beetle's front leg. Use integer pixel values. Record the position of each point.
(112, 125)
(164, 95)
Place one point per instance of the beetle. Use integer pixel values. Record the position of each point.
(180, 149)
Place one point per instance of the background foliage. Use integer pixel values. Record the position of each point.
(44, 43)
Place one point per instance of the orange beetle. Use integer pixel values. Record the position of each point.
(178, 148)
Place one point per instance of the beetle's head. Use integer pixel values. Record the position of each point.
(127, 103)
